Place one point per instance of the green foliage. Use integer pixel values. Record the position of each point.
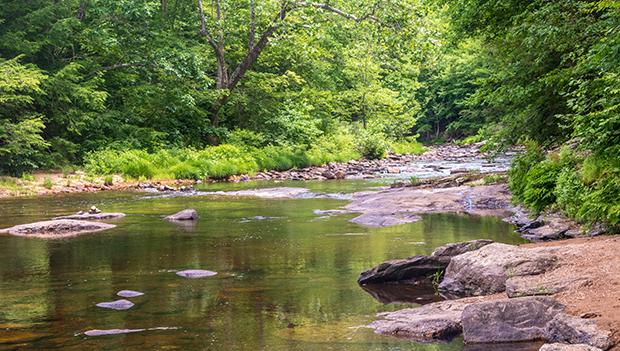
(372, 145)
(47, 183)
(21, 127)
(494, 179)
(406, 146)
(108, 180)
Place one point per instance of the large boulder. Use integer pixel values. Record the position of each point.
(509, 320)
(402, 269)
(60, 228)
(574, 330)
(446, 252)
(485, 271)
(436, 321)
(418, 266)
(568, 347)
(185, 215)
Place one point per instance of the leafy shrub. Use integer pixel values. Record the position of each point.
(245, 138)
(406, 146)
(108, 180)
(185, 170)
(521, 166)
(569, 192)
(538, 192)
(47, 183)
(372, 146)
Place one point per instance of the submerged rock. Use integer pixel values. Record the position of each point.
(196, 273)
(568, 347)
(574, 330)
(104, 332)
(119, 305)
(432, 322)
(93, 216)
(59, 228)
(486, 270)
(385, 220)
(185, 215)
(420, 291)
(129, 293)
(509, 320)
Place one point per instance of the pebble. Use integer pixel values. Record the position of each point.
(129, 293)
(196, 273)
(119, 305)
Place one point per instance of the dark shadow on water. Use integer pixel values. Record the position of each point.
(413, 291)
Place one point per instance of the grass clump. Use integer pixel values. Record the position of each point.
(47, 183)
(108, 180)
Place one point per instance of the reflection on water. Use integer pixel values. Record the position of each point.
(286, 283)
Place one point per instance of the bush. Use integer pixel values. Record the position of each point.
(108, 180)
(372, 146)
(521, 166)
(47, 183)
(538, 192)
(407, 146)
(184, 170)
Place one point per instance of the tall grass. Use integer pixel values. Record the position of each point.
(226, 160)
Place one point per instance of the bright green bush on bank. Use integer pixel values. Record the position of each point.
(584, 186)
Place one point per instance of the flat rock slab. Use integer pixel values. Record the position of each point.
(185, 215)
(60, 228)
(535, 285)
(269, 193)
(432, 322)
(93, 216)
(568, 347)
(401, 205)
(485, 271)
(119, 305)
(569, 329)
(129, 293)
(196, 273)
(104, 332)
(510, 320)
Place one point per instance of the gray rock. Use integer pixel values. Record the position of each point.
(568, 347)
(446, 252)
(104, 332)
(185, 215)
(485, 271)
(509, 320)
(418, 266)
(385, 220)
(574, 330)
(93, 216)
(402, 269)
(196, 273)
(526, 286)
(129, 293)
(119, 305)
(59, 228)
(436, 321)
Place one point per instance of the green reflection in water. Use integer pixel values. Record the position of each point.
(285, 283)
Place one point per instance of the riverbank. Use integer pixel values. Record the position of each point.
(436, 161)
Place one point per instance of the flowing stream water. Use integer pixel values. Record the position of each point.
(287, 275)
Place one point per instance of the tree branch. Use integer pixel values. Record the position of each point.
(339, 12)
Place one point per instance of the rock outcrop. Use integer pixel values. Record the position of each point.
(509, 320)
(185, 215)
(418, 266)
(436, 321)
(533, 285)
(568, 347)
(569, 329)
(60, 228)
(485, 271)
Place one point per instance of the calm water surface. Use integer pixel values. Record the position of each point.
(285, 282)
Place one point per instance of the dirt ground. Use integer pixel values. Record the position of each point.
(599, 260)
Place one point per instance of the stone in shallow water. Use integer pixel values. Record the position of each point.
(196, 273)
(129, 293)
(118, 305)
(103, 332)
